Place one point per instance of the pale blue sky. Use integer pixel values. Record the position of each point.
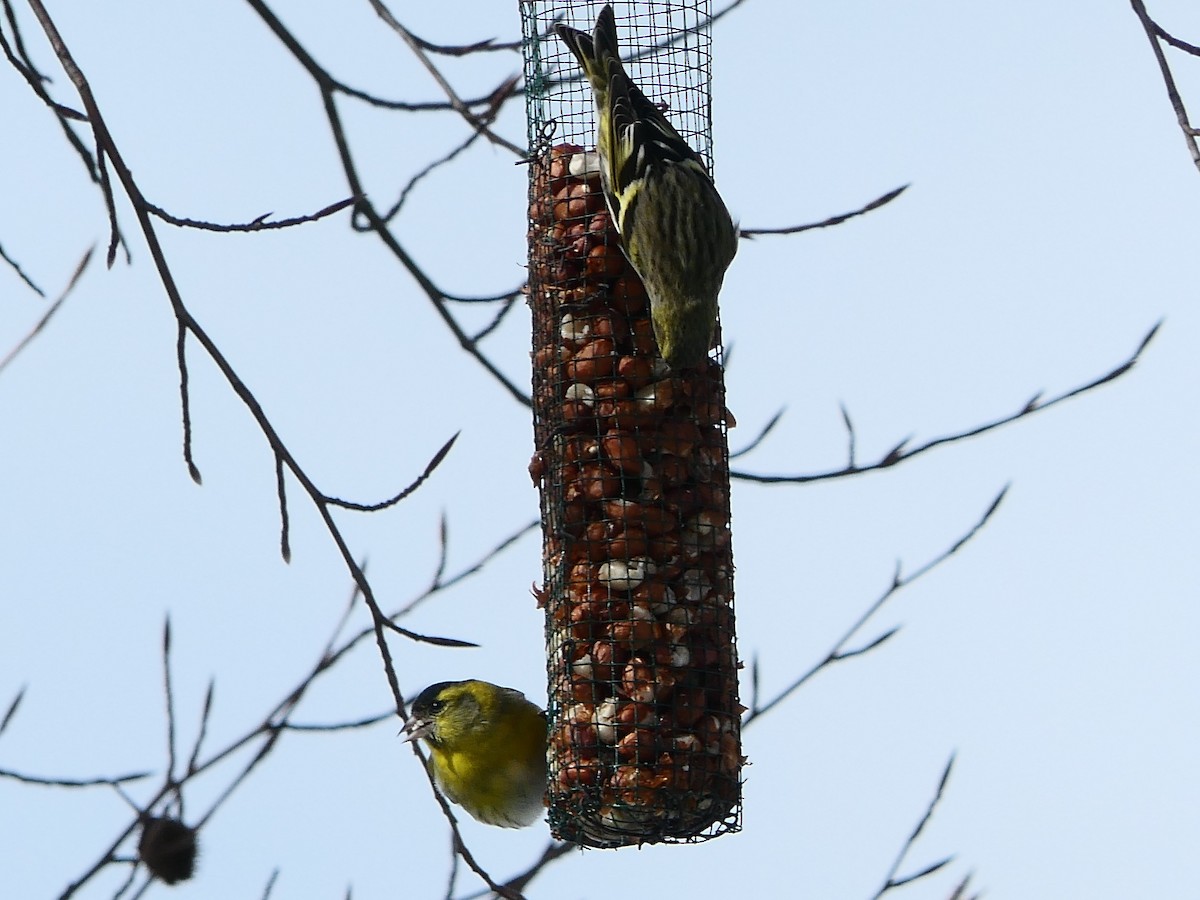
(1051, 221)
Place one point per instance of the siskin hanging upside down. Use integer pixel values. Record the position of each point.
(487, 749)
(674, 227)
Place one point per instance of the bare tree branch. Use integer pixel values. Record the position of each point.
(832, 220)
(258, 224)
(891, 881)
(16, 267)
(107, 781)
(169, 695)
(433, 463)
(478, 122)
(901, 452)
(49, 313)
(12, 709)
(1177, 43)
(839, 650)
(1153, 34)
(20, 60)
(189, 325)
(328, 88)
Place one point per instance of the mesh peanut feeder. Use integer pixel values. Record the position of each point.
(632, 462)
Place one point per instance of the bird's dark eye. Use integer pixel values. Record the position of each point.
(437, 706)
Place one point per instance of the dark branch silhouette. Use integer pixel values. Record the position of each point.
(258, 224)
(263, 738)
(16, 267)
(832, 220)
(1156, 34)
(891, 881)
(840, 651)
(49, 313)
(902, 452)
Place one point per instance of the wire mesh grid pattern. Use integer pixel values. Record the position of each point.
(667, 51)
(632, 462)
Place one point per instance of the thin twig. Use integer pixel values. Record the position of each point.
(12, 709)
(502, 297)
(901, 452)
(257, 224)
(49, 313)
(73, 782)
(1153, 33)
(328, 88)
(891, 195)
(169, 694)
(478, 121)
(1177, 43)
(763, 432)
(890, 880)
(428, 170)
(37, 83)
(433, 463)
(205, 714)
(16, 267)
(364, 722)
(189, 325)
(839, 650)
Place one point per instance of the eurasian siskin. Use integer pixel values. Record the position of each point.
(674, 227)
(487, 749)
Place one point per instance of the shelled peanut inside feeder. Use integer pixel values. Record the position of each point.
(632, 464)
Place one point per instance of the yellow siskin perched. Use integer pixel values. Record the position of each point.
(674, 226)
(487, 749)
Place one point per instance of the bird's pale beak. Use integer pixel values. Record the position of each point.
(417, 727)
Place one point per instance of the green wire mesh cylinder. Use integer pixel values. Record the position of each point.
(633, 465)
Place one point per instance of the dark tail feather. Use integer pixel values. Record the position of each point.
(604, 37)
(578, 42)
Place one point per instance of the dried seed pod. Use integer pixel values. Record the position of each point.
(168, 848)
